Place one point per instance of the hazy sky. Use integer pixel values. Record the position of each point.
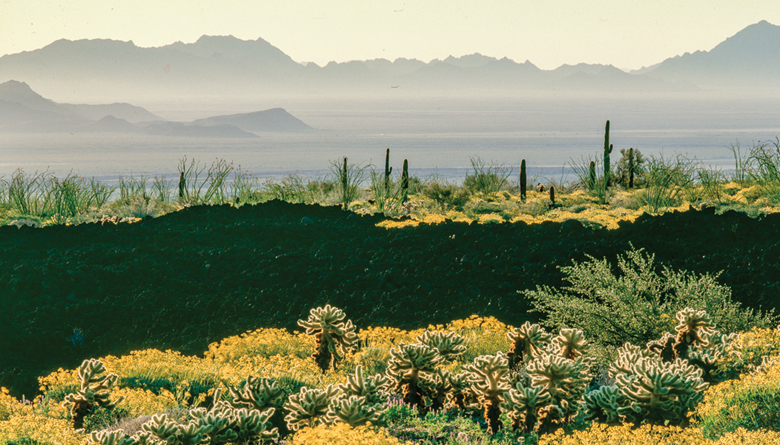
(549, 33)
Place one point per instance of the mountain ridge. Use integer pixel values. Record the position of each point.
(24, 110)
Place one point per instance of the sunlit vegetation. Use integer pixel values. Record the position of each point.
(442, 384)
(491, 194)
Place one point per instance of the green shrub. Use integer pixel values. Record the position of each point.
(447, 196)
(638, 303)
(487, 178)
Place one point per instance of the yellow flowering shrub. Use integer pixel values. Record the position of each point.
(7, 402)
(262, 342)
(61, 381)
(171, 365)
(600, 434)
(139, 402)
(753, 400)
(490, 218)
(343, 434)
(24, 422)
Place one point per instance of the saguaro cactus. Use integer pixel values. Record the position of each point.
(523, 180)
(388, 171)
(607, 152)
(592, 175)
(405, 182)
(552, 196)
(631, 167)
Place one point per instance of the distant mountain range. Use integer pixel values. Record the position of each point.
(226, 67)
(24, 110)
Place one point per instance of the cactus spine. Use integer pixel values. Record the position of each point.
(523, 180)
(607, 152)
(405, 182)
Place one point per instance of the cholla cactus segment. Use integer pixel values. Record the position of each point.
(309, 407)
(94, 391)
(162, 427)
(655, 391)
(627, 357)
(489, 377)
(356, 410)
(408, 365)
(256, 393)
(522, 404)
(192, 434)
(449, 344)
(408, 361)
(252, 426)
(563, 378)
(333, 334)
(602, 405)
(434, 388)
(489, 374)
(664, 347)
(117, 437)
(527, 341)
(460, 395)
(570, 343)
(373, 388)
(693, 326)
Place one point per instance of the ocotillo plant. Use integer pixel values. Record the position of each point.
(388, 171)
(523, 180)
(405, 182)
(607, 152)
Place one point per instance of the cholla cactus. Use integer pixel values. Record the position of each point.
(373, 388)
(435, 387)
(664, 347)
(256, 393)
(489, 377)
(565, 380)
(225, 424)
(117, 437)
(522, 405)
(570, 344)
(706, 355)
(94, 391)
(460, 395)
(332, 333)
(692, 329)
(449, 344)
(409, 364)
(655, 391)
(310, 407)
(355, 410)
(602, 405)
(527, 341)
(162, 427)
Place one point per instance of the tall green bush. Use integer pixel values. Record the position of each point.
(638, 302)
